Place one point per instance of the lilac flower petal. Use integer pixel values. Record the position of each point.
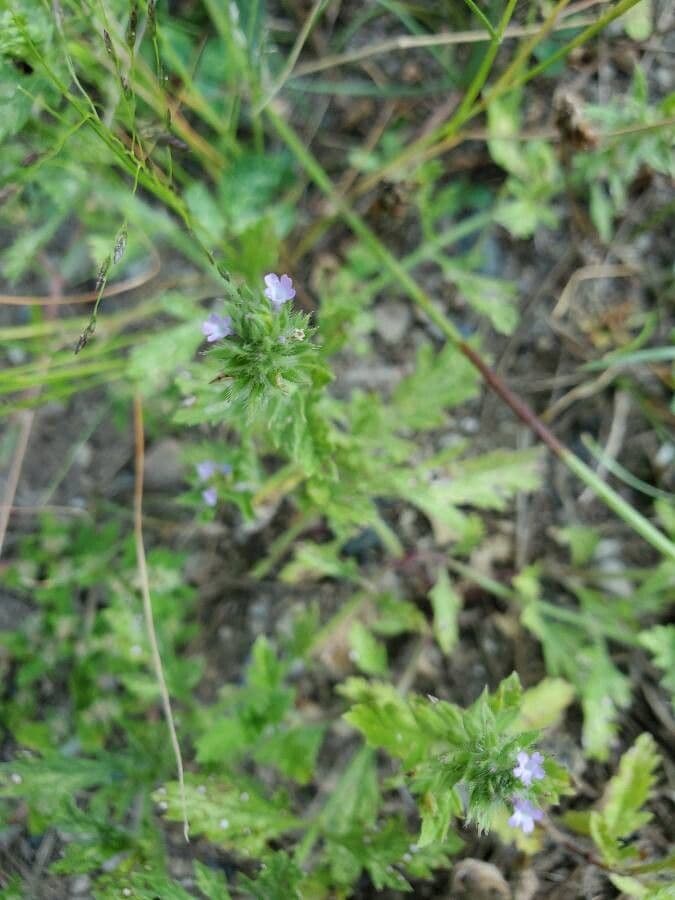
(529, 768)
(522, 771)
(206, 469)
(286, 284)
(536, 767)
(278, 290)
(525, 814)
(224, 468)
(216, 327)
(210, 496)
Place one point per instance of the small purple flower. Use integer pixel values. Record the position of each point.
(278, 290)
(208, 468)
(210, 496)
(525, 815)
(216, 327)
(529, 768)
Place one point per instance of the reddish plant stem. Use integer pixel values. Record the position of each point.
(519, 407)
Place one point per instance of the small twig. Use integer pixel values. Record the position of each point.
(481, 15)
(519, 407)
(121, 287)
(56, 510)
(588, 273)
(580, 392)
(42, 857)
(417, 41)
(139, 460)
(523, 513)
(308, 25)
(617, 433)
(623, 474)
(351, 174)
(26, 424)
(570, 844)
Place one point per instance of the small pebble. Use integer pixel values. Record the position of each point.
(392, 320)
(478, 880)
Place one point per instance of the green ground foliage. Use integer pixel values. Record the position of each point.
(159, 162)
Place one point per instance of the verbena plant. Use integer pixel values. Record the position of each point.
(176, 136)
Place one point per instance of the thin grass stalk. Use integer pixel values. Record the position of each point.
(483, 72)
(139, 461)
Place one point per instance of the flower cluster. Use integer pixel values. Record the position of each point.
(529, 769)
(205, 472)
(261, 360)
(278, 290)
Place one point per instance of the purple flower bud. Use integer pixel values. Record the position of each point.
(278, 290)
(529, 768)
(210, 496)
(216, 327)
(525, 815)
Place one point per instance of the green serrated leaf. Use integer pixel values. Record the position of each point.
(437, 812)
(493, 298)
(384, 718)
(446, 604)
(488, 481)
(628, 791)
(292, 751)
(369, 654)
(543, 706)
(356, 798)
(604, 691)
(314, 561)
(660, 641)
(145, 882)
(154, 361)
(578, 821)
(211, 882)
(582, 541)
(279, 878)
(224, 740)
(232, 814)
(602, 211)
(395, 616)
(503, 126)
(637, 21)
(439, 382)
(631, 887)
